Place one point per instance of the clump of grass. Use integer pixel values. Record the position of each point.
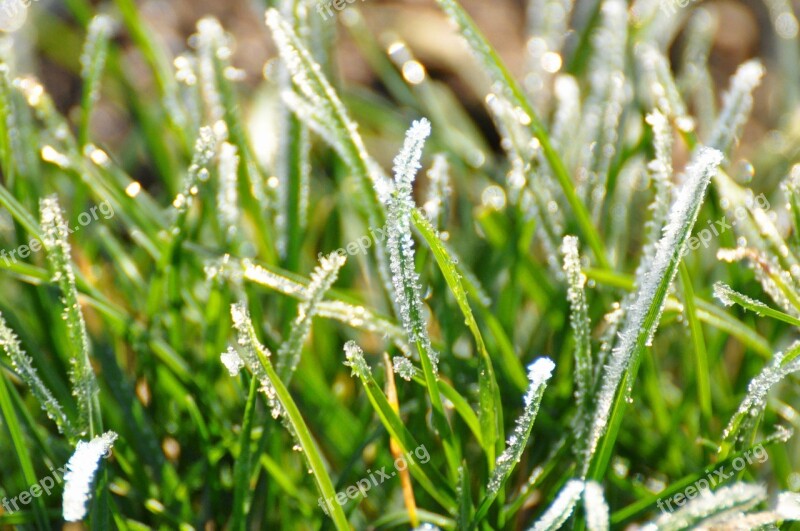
(159, 322)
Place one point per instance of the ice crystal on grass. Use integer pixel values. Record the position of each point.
(322, 278)
(401, 245)
(81, 470)
(24, 368)
(539, 372)
(232, 361)
(255, 355)
(403, 367)
(736, 105)
(652, 286)
(227, 194)
(356, 361)
(594, 502)
(736, 497)
(788, 506)
(561, 509)
(54, 238)
(744, 420)
(662, 87)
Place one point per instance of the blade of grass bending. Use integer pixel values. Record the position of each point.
(645, 312)
(491, 408)
(500, 75)
(257, 360)
(84, 384)
(729, 296)
(539, 372)
(396, 428)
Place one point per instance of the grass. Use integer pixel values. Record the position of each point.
(574, 336)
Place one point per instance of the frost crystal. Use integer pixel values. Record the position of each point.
(403, 367)
(81, 469)
(597, 515)
(539, 372)
(405, 279)
(356, 361)
(788, 506)
(204, 148)
(562, 507)
(232, 361)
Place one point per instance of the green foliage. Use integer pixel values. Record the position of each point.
(137, 283)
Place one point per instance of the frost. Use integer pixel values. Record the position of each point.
(81, 469)
(232, 361)
(94, 53)
(738, 497)
(322, 278)
(356, 361)
(597, 514)
(788, 506)
(54, 238)
(756, 398)
(737, 103)
(24, 368)
(405, 279)
(562, 507)
(539, 372)
(403, 367)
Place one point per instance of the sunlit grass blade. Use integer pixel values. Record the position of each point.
(23, 366)
(257, 359)
(561, 509)
(322, 279)
(645, 311)
(435, 484)
(729, 296)
(539, 372)
(741, 428)
(84, 384)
